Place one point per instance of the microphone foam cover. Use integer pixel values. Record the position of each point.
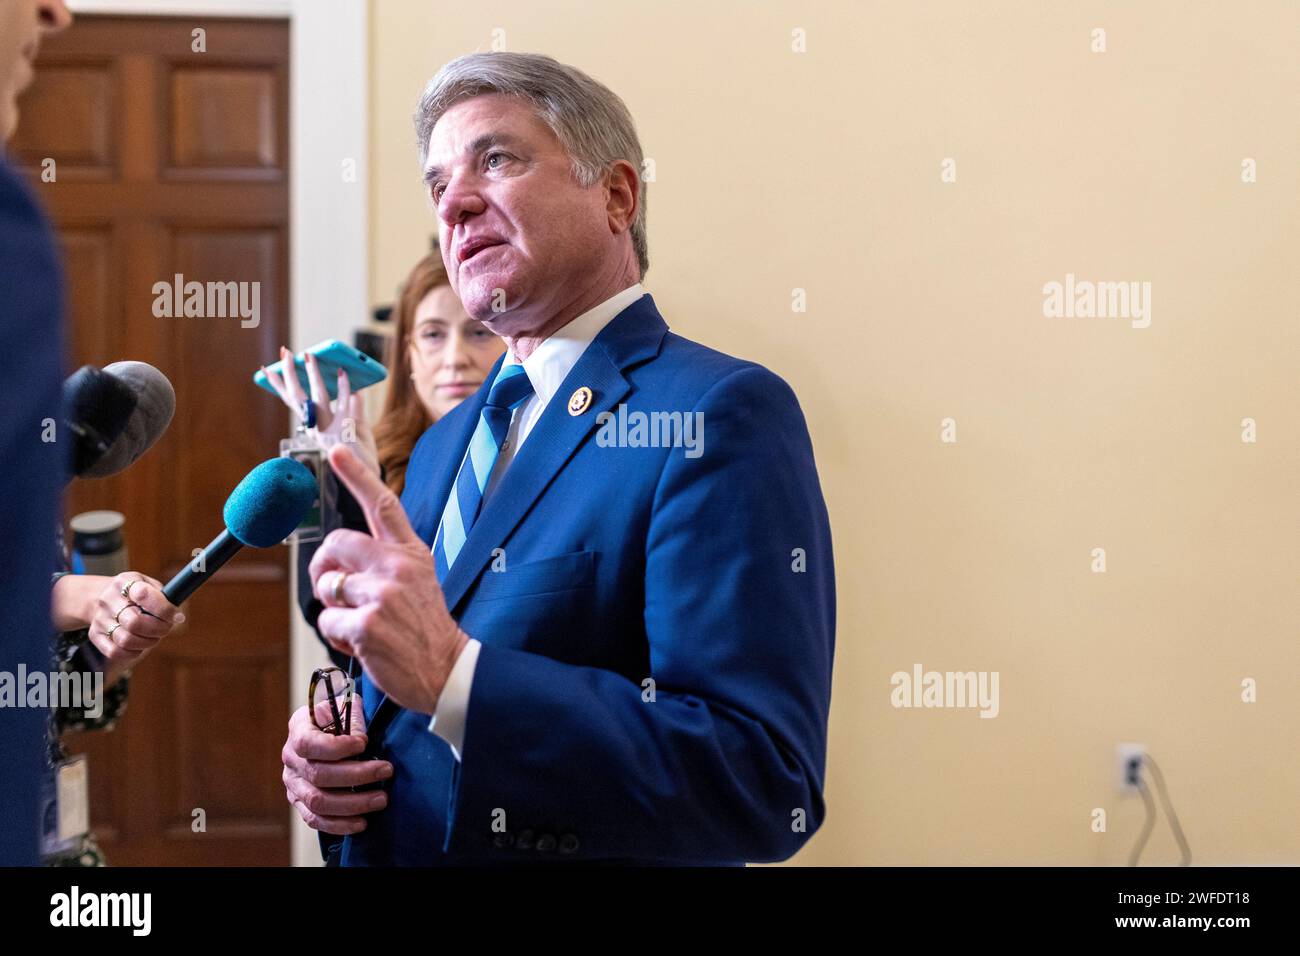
(155, 405)
(270, 502)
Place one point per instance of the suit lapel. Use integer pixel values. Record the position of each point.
(632, 336)
(551, 443)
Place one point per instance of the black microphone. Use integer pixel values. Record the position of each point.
(155, 404)
(96, 408)
(115, 415)
(263, 510)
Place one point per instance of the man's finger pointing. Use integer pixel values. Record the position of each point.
(383, 510)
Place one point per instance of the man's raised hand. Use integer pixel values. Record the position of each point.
(387, 610)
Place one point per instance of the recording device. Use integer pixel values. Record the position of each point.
(98, 546)
(263, 510)
(115, 415)
(322, 516)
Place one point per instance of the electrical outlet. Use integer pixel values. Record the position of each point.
(1128, 765)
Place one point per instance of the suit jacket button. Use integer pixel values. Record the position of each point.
(546, 843)
(525, 840)
(569, 843)
(503, 840)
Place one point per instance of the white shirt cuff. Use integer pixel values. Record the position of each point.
(453, 704)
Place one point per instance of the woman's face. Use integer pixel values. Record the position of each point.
(451, 353)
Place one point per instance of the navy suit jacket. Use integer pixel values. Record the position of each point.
(31, 483)
(654, 682)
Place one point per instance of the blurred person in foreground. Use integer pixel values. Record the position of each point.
(102, 625)
(31, 326)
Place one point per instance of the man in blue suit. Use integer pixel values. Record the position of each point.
(31, 316)
(599, 625)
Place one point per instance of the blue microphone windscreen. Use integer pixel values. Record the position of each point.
(270, 502)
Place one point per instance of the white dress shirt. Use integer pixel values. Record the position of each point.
(546, 369)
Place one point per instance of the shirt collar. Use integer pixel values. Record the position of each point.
(553, 359)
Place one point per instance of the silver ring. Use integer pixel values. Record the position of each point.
(117, 618)
(125, 589)
(109, 632)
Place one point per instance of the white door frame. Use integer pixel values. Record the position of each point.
(328, 211)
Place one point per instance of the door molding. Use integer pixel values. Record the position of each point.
(328, 216)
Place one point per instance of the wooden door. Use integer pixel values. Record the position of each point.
(166, 159)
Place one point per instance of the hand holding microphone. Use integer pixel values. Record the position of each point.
(130, 613)
(115, 415)
(126, 615)
(129, 618)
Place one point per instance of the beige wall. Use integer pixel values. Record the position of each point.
(778, 170)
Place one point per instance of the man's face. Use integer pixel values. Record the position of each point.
(495, 171)
(22, 24)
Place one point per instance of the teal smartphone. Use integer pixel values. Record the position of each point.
(331, 355)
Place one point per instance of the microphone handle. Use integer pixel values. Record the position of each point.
(223, 547)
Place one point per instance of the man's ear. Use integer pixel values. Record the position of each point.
(622, 187)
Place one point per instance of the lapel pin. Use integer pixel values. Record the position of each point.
(579, 401)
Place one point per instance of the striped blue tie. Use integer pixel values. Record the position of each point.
(510, 390)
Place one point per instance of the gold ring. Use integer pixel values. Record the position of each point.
(109, 632)
(337, 591)
(117, 618)
(125, 589)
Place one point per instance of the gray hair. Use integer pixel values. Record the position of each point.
(590, 121)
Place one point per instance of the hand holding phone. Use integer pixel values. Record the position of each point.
(343, 420)
(331, 355)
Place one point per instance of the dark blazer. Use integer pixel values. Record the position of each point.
(31, 484)
(710, 576)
